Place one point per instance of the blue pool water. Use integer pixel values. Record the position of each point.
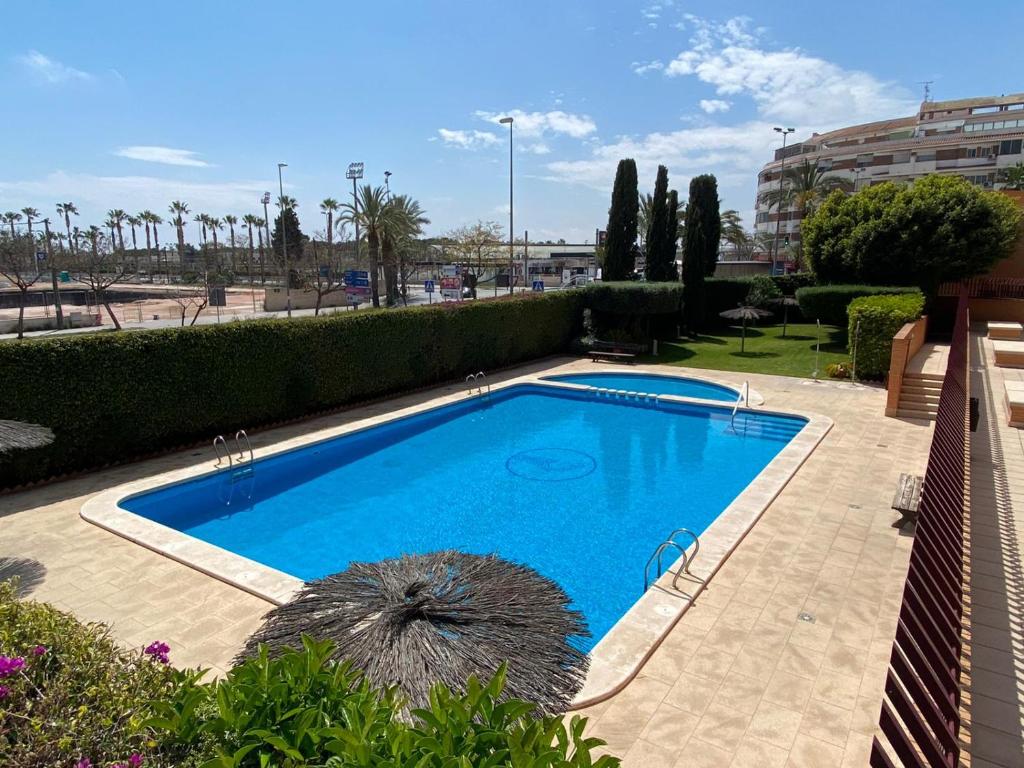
(581, 488)
(652, 384)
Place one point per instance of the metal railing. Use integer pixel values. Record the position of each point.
(477, 381)
(986, 288)
(920, 715)
(671, 542)
(219, 441)
(742, 399)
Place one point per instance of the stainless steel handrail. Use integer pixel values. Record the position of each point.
(696, 545)
(657, 555)
(743, 398)
(238, 443)
(473, 382)
(218, 441)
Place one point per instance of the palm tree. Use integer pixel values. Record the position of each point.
(215, 224)
(133, 222)
(260, 223)
(287, 202)
(30, 215)
(329, 207)
(118, 215)
(732, 227)
(405, 220)
(111, 224)
(179, 211)
(251, 220)
(803, 186)
(67, 210)
(1013, 177)
(231, 220)
(11, 218)
(369, 212)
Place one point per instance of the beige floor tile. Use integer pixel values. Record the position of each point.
(801, 661)
(775, 725)
(752, 752)
(741, 692)
(722, 726)
(826, 722)
(669, 727)
(837, 689)
(710, 662)
(692, 693)
(700, 754)
(643, 754)
(809, 752)
(789, 690)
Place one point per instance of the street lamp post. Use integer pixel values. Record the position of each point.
(782, 174)
(284, 242)
(387, 184)
(266, 225)
(508, 121)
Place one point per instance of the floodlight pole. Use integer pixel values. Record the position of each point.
(782, 175)
(266, 226)
(508, 121)
(284, 242)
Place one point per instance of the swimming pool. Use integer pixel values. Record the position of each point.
(651, 383)
(581, 488)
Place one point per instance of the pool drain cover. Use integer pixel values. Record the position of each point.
(551, 464)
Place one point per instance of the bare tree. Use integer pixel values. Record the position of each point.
(475, 247)
(325, 275)
(18, 265)
(98, 267)
(196, 297)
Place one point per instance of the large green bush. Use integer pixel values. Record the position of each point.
(938, 229)
(74, 693)
(111, 396)
(874, 320)
(634, 312)
(828, 303)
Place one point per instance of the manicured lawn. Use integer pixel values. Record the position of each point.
(766, 350)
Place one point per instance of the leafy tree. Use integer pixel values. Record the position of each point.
(938, 229)
(404, 221)
(672, 232)
(1012, 177)
(369, 212)
(99, 269)
(31, 214)
(661, 252)
(619, 247)
(18, 265)
(251, 220)
(700, 246)
(296, 240)
(11, 218)
(67, 210)
(475, 247)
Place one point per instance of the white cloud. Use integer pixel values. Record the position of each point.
(537, 148)
(714, 105)
(643, 67)
(537, 124)
(164, 155)
(50, 70)
(786, 84)
(467, 139)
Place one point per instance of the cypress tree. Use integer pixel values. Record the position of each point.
(296, 240)
(622, 219)
(700, 247)
(658, 259)
(672, 234)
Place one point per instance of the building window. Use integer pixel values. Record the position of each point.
(901, 157)
(762, 217)
(1011, 147)
(926, 157)
(825, 164)
(864, 159)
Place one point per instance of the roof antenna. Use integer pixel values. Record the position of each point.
(927, 88)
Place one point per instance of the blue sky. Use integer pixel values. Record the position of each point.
(131, 105)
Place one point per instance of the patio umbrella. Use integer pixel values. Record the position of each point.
(785, 302)
(20, 436)
(744, 314)
(417, 620)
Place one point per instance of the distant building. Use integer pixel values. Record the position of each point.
(974, 138)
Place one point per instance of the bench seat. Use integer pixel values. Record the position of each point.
(1013, 397)
(599, 354)
(1009, 354)
(907, 498)
(1005, 330)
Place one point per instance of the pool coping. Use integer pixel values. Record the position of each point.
(618, 656)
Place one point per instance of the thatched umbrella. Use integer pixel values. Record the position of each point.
(744, 314)
(417, 620)
(20, 436)
(785, 302)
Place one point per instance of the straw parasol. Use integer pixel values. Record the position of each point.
(20, 436)
(744, 314)
(785, 302)
(417, 620)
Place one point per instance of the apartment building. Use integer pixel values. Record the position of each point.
(975, 138)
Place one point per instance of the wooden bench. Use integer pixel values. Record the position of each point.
(1013, 397)
(609, 350)
(1005, 331)
(1008, 354)
(907, 498)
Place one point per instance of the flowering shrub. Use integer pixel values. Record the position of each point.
(69, 696)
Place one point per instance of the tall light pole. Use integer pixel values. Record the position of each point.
(387, 184)
(266, 225)
(355, 172)
(284, 241)
(782, 174)
(508, 121)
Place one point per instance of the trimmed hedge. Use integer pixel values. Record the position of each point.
(113, 396)
(828, 303)
(634, 298)
(880, 317)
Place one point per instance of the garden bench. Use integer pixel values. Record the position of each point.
(608, 350)
(907, 498)
(1013, 396)
(1008, 354)
(1005, 331)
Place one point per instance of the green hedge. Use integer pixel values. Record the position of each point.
(634, 298)
(828, 303)
(879, 318)
(791, 283)
(112, 396)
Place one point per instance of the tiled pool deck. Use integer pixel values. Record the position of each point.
(740, 680)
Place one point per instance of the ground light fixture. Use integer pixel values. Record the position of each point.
(284, 242)
(508, 121)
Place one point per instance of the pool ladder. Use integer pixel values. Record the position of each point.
(668, 543)
(741, 400)
(477, 381)
(220, 443)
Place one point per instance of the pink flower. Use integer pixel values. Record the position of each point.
(85, 762)
(135, 760)
(10, 664)
(158, 650)
(39, 650)
(4, 690)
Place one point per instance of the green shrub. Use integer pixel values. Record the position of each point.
(879, 318)
(634, 312)
(112, 396)
(839, 370)
(828, 303)
(762, 291)
(722, 293)
(301, 709)
(789, 284)
(77, 694)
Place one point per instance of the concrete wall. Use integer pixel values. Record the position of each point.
(275, 299)
(905, 344)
